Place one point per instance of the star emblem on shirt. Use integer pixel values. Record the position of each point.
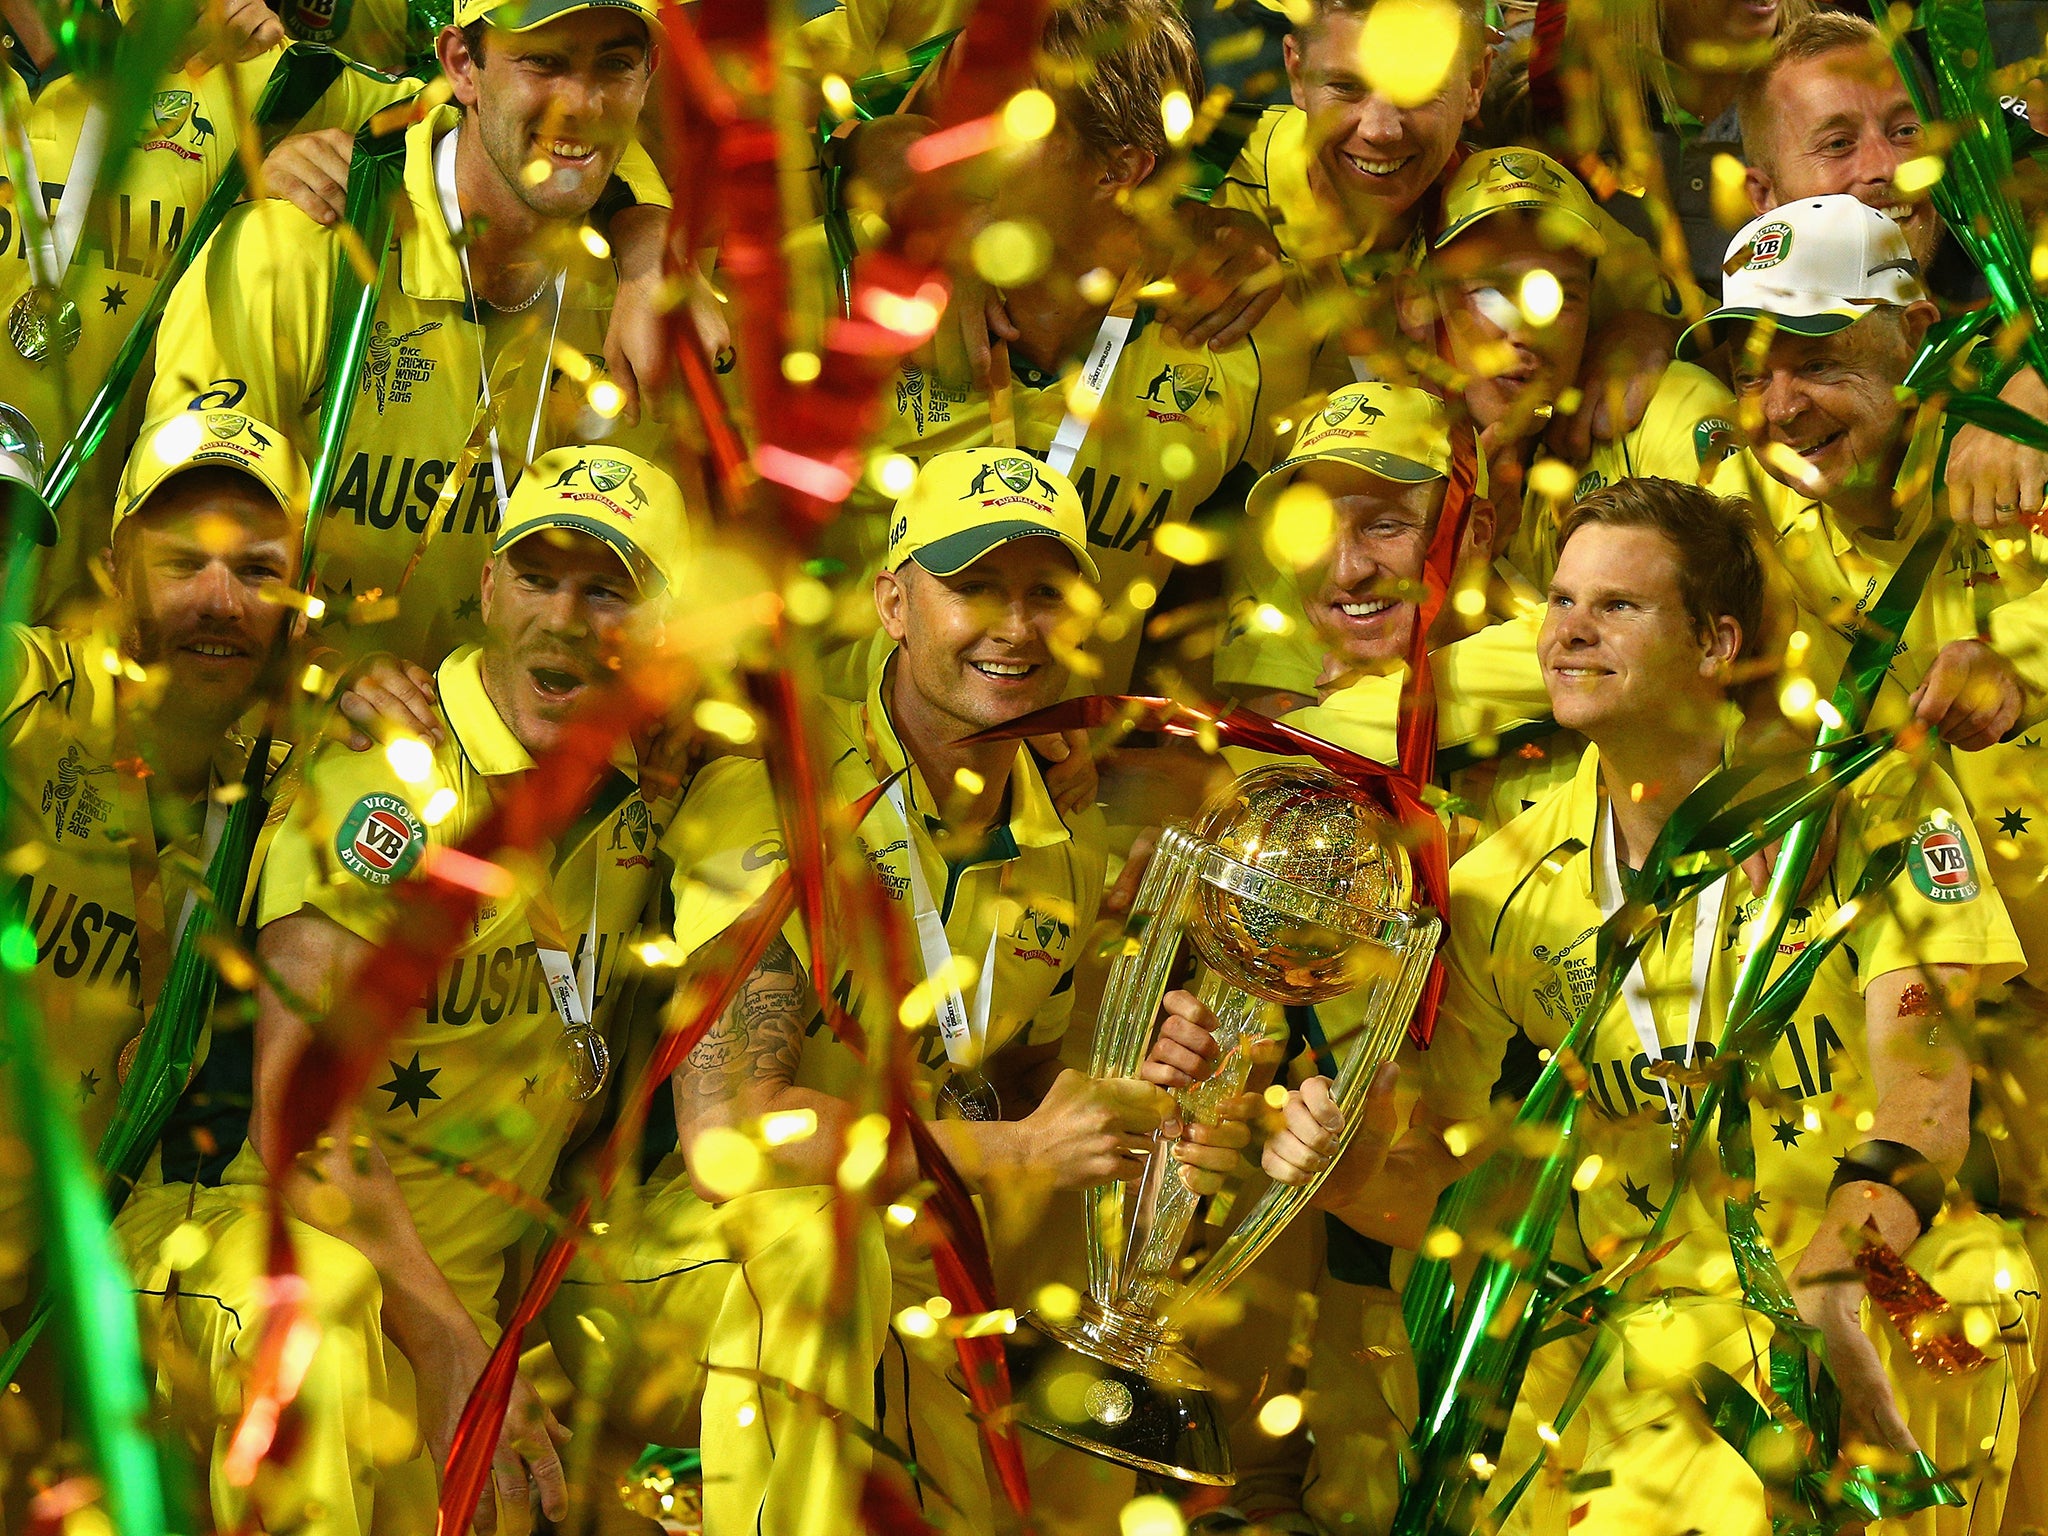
(1638, 1195)
(410, 1086)
(88, 1084)
(2030, 741)
(2012, 823)
(468, 608)
(113, 298)
(532, 1086)
(1786, 1133)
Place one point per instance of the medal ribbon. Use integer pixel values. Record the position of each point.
(54, 242)
(572, 983)
(1635, 990)
(1084, 398)
(965, 1035)
(451, 211)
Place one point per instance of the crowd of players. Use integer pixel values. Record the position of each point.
(1676, 532)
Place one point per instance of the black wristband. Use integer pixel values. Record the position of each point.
(1898, 1165)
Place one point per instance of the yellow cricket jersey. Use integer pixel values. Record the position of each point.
(191, 134)
(1982, 587)
(1174, 422)
(1034, 886)
(72, 879)
(1524, 913)
(374, 31)
(1270, 179)
(857, 36)
(1687, 429)
(475, 1073)
(247, 329)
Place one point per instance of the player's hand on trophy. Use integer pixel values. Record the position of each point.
(1184, 1050)
(1089, 1131)
(1312, 1127)
(389, 697)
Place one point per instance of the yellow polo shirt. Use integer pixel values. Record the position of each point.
(191, 134)
(69, 876)
(1687, 429)
(857, 36)
(475, 1071)
(374, 31)
(1270, 179)
(1034, 886)
(247, 330)
(1986, 586)
(1520, 949)
(1174, 422)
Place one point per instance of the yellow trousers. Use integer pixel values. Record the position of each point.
(752, 1319)
(1637, 1459)
(351, 1461)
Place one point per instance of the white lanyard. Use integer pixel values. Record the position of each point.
(965, 1035)
(49, 257)
(1635, 992)
(573, 984)
(1089, 389)
(1361, 370)
(451, 212)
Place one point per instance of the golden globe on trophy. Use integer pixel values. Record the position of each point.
(1294, 888)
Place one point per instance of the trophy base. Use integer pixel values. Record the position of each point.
(1114, 1386)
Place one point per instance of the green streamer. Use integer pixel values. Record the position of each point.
(376, 172)
(1972, 195)
(107, 1393)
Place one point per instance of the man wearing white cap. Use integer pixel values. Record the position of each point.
(499, 1059)
(1823, 311)
(1828, 113)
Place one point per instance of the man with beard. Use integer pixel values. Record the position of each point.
(998, 890)
(1828, 114)
(493, 279)
(402, 1252)
(116, 740)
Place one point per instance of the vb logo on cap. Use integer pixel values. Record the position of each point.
(966, 503)
(1773, 243)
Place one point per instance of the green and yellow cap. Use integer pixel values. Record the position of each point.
(1394, 431)
(524, 15)
(233, 440)
(612, 495)
(963, 504)
(1524, 181)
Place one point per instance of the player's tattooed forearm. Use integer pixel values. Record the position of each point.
(759, 1038)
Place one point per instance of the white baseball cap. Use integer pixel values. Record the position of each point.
(1815, 266)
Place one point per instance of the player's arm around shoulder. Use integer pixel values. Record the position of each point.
(246, 326)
